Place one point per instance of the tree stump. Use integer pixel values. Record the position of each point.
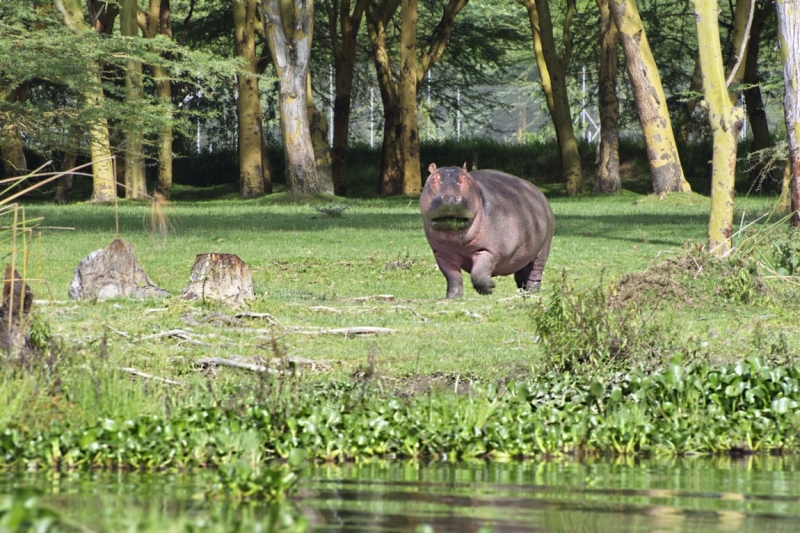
(222, 277)
(111, 273)
(16, 305)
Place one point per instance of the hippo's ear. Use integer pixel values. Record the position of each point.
(432, 168)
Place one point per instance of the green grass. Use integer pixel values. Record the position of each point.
(313, 270)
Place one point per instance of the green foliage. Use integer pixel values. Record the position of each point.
(587, 328)
(33, 54)
(700, 408)
(39, 333)
(786, 256)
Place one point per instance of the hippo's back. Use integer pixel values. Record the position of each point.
(519, 219)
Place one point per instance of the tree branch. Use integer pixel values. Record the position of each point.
(185, 28)
(439, 38)
(743, 46)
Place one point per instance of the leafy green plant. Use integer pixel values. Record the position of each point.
(586, 328)
(786, 255)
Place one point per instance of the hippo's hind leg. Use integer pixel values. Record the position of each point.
(529, 277)
(522, 277)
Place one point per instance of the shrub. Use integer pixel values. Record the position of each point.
(589, 328)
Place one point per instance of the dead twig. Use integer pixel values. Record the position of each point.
(233, 363)
(328, 309)
(265, 316)
(217, 317)
(424, 319)
(384, 297)
(176, 333)
(344, 331)
(118, 332)
(135, 372)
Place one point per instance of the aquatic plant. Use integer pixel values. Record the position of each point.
(748, 407)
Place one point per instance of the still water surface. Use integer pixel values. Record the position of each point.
(758, 494)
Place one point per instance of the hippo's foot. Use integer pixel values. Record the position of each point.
(455, 292)
(483, 286)
(533, 286)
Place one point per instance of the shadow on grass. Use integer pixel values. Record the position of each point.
(258, 218)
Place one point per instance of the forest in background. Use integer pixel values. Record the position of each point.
(135, 86)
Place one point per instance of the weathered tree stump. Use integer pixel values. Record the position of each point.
(222, 277)
(15, 307)
(111, 273)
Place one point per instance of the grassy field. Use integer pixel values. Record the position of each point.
(313, 270)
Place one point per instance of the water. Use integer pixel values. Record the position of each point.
(688, 495)
(702, 495)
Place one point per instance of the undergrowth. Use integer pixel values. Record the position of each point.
(587, 329)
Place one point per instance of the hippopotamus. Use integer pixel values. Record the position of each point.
(487, 223)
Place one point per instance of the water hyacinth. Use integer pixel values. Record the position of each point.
(747, 407)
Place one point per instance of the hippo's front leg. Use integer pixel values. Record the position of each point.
(451, 268)
(482, 268)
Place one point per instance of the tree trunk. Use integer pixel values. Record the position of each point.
(391, 178)
(289, 31)
(248, 104)
(737, 58)
(608, 179)
(318, 127)
(64, 186)
(651, 104)
(344, 59)
(135, 184)
(695, 86)
(407, 85)
(789, 37)
(552, 72)
(752, 94)
(391, 150)
(400, 164)
(11, 148)
(103, 185)
(157, 21)
(725, 120)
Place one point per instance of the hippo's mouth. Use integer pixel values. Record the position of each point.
(450, 223)
(451, 217)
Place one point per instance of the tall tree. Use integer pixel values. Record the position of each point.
(608, 179)
(789, 32)
(289, 30)
(754, 103)
(400, 164)
(725, 120)
(157, 20)
(135, 183)
(318, 127)
(651, 103)
(103, 183)
(248, 104)
(737, 57)
(343, 43)
(553, 76)
(11, 148)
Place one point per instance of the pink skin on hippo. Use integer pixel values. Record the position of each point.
(487, 223)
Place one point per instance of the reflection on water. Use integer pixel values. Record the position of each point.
(751, 494)
(759, 494)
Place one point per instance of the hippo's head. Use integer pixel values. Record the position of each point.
(450, 199)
